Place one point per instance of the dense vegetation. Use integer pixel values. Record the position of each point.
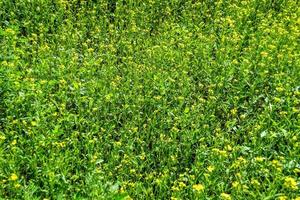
(149, 99)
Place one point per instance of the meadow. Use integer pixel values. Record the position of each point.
(150, 99)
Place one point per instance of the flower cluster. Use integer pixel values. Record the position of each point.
(149, 99)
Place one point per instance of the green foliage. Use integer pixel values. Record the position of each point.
(151, 99)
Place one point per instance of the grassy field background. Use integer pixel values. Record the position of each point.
(149, 99)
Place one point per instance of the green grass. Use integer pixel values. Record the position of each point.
(154, 99)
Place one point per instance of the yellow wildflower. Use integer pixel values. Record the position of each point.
(118, 143)
(282, 198)
(211, 168)
(255, 182)
(33, 123)
(243, 116)
(225, 196)
(228, 148)
(2, 137)
(14, 142)
(235, 184)
(13, 177)
(279, 89)
(223, 153)
(181, 184)
(277, 99)
(198, 187)
(259, 159)
(290, 183)
(234, 111)
(174, 188)
(264, 54)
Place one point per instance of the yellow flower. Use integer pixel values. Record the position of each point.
(264, 54)
(63, 82)
(13, 177)
(223, 153)
(225, 196)
(235, 184)
(14, 142)
(90, 50)
(277, 164)
(283, 113)
(259, 159)
(234, 111)
(198, 187)
(235, 62)
(276, 99)
(118, 143)
(282, 198)
(181, 184)
(2, 137)
(290, 183)
(174, 188)
(279, 89)
(228, 148)
(255, 182)
(17, 185)
(211, 168)
(241, 160)
(33, 123)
